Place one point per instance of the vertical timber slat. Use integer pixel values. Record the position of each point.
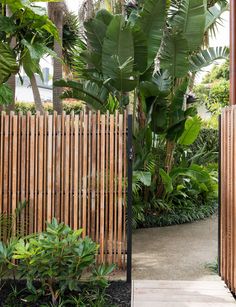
(71, 167)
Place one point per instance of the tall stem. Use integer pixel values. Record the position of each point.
(36, 93)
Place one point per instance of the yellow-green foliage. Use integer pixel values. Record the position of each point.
(68, 107)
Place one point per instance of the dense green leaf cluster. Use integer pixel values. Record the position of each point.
(56, 258)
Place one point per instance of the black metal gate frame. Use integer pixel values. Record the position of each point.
(129, 201)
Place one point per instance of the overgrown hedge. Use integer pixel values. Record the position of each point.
(68, 107)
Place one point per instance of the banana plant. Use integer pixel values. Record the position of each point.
(152, 53)
(117, 52)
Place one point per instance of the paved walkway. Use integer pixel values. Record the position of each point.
(179, 252)
(170, 267)
(181, 294)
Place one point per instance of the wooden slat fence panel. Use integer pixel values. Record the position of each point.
(228, 198)
(71, 167)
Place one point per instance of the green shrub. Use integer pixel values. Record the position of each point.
(56, 258)
(202, 152)
(68, 107)
(190, 194)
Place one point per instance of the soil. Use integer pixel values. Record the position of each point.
(118, 294)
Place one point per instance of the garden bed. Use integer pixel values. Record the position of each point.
(14, 293)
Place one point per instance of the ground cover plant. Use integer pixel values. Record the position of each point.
(51, 266)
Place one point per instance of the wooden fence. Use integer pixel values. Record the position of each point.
(72, 167)
(228, 198)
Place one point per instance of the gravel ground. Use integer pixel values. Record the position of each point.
(179, 252)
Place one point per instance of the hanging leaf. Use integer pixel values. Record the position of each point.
(191, 131)
(190, 20)
(8, 64)
(174, 55)
(95, 31)
(140, 50)
(207, 56)
(152, 20)
(6, 94)
(118, 55)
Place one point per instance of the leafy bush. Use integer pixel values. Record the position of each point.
(68, 107)
(56, 258)
(190, 194)
(203, 151)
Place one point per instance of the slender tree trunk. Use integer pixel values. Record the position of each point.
(12, 80)
(36, 93)
(56, 14)
(141, 114)
(170, 147)
(86, 11)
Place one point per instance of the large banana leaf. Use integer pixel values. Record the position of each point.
(213, 16)
(190, 20)
(8, 64)
(118, 55)
(191, 131)
(95, 31)
(89, 92)
(140, 50)
(152, 20)
(104, 16)
(207, 56)
(194, 171)
(174, 55)
(159, 85)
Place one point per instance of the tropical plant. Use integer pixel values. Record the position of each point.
(148, 59)
(30, 43)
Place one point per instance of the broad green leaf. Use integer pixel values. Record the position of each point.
(190, 20)
(104, 16)
(149, 89)
(6, 94)
(207, 56)
(174, 55)
(152, 20)
(95, 31)
(7, 24)
(140, 50)
(213, 16)
(118, 55)
(167, 181)
(89, 92)
(194, 171)
(30, 65)
(191, 131)
(8, 64)
(144, 177)
(163, 81)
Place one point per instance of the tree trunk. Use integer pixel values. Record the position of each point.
(141, 114)
(56, 14)
(12, 80)
(170, 147)
(37, 98)
(86, 11)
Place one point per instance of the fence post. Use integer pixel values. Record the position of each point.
(219, 200)
(129, 201)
